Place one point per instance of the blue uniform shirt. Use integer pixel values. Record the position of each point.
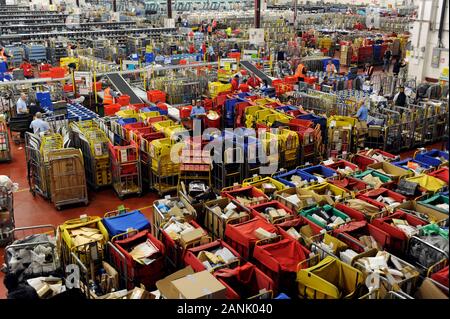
(362, 113)
(197, 111)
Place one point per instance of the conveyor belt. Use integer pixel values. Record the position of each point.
(250, 67)
(123, 87)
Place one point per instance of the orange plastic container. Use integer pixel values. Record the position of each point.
(45, 74)
(57, 72)
(156, 96)
(68, 88)
(123, 100)
(111, 109)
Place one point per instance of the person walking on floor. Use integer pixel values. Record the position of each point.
(387, 60)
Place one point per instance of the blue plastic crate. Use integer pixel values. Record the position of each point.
(429, 157)
(284, 177)
(326, 172)
(404, 163)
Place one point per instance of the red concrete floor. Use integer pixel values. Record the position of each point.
(30, 211)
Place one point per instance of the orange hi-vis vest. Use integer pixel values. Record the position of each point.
(107, 97)
(2, 55)
(299, 71)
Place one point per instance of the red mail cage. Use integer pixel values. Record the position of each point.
(192, 255)
(245, 282)
(253, 195)
(382, 194)
(352, 233)
(242, 236)
(265, 210)
(136, 273)
(304, 227)
(387, 157)
(350, 184)
(399, 238)
(175, 250)
(279, 258)
(341, 165)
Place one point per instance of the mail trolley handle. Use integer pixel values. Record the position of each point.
(437, 266)
(41, 227)
(127, 234)
(251, 180)
(116, 212)
(309, 262)
(354, 241)
(231, 188)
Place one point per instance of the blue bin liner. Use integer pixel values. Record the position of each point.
(317, 120)
(429, 157)
(122, 121)
(321, 170)
(3, 67)
(119, 224)
(285, 177)
(403, 163)
(149, 57)
(229, 111)
(282, 296)
(155, 108)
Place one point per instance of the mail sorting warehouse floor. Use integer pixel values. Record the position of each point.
(31, 210)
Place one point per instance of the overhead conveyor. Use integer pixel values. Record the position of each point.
(250, 67)
(122, 86)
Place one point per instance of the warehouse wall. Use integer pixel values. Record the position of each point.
(425, 38)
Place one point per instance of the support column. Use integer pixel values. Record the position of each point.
(257, 14)
(114, 5)
(169, 9)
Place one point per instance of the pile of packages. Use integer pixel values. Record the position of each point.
(173, 207)
(262, 234)
(183, 232)
(364, 207)
(389, 201)
(299, 199)
(85, 235)
(229, 212)
(272, 213)
(298, 181)
(268, 188)
(35, 259)
(145, 253)
(248, 201)
(405, 227)
(327, 218)
(347, 170)
(388, 265)
(217, 258)
(375, 181)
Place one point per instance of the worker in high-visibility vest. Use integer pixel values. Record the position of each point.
(3, 56)
(107, 96)
(300, 72)
(229, 32)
